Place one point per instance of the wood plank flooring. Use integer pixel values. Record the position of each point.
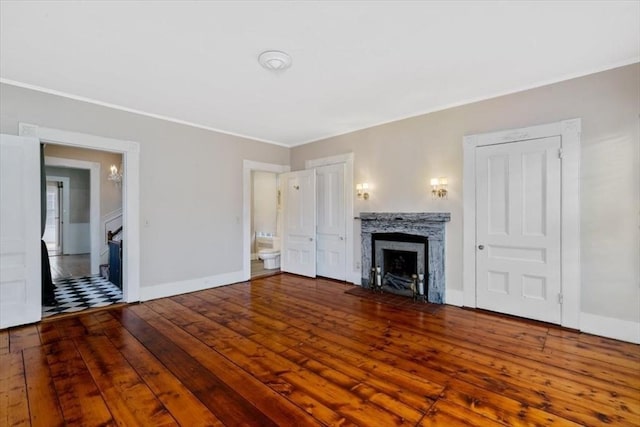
(66, 266)
(291, 351)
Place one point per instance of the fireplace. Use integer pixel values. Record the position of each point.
(403, 244)
(400, 256)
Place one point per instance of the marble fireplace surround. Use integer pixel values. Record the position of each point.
(425, 224)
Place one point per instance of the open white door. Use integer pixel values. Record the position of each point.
(20, 283)
(298, 254)
(331, 230)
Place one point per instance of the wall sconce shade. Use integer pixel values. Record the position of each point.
(115, 175)
(439, 188)
(362, 191)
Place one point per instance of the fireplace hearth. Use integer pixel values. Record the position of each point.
(401, 247)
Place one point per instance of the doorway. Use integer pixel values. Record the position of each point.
(248, 234)
(81, 269)
(519, 185)
(53, 226)
(265, 224)
(29, 309)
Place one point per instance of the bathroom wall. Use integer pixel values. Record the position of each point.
(264, 207)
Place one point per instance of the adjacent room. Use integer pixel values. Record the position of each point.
(320, 213)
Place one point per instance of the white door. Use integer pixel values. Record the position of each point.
(518, 228)
(20, 285)
(331, 244)
(298, 254)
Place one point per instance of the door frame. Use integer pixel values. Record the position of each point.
(94, 202)
(130, 151)
(249, 166)
(64, 203)
(569, 132)
(352, 274)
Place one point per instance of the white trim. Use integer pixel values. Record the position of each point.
(65, 206)
(454, 297)
(473, 100)
(134, 111)
(106, 219)
(247, 167)
(569, 131)
(192, 285)
(94, 203)
(610, 327)
(333, 134)
(353, 275)
(130, 151)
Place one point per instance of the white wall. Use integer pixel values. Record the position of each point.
(265, 209)
(190, 185)
(398, 158)
(265, 192)
(78, 233)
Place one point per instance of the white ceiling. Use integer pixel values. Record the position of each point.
(355, 64)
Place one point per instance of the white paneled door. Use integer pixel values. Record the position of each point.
(518, 228)
(20, 285)
(298, 254)
(331, 230)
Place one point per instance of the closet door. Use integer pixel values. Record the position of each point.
(331, 230)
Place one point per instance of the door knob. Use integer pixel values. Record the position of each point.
(481, 247)
(311, 239)
(341, 238)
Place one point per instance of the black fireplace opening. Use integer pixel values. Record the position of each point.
(400, 263)
(399, 256)
(398, 267)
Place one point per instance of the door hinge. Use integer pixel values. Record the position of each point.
(559, 298)
(560, 153)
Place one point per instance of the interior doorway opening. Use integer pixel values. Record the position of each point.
(79, 202)
(265, 224)
(130, 158)
(53, 226)
(248, 232)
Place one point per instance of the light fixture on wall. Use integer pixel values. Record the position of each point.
(115, 175)
(362, 191)
(439, 188)
(275, 60)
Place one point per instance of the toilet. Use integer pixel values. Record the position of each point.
(269, 251)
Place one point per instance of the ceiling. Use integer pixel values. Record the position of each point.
(355, 64)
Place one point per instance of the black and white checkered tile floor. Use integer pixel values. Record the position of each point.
(80, 293)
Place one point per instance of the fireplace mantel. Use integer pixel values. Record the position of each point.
(426, 224)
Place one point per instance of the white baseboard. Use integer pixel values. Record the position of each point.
(176, 288)
(610, 327)
(454, 297)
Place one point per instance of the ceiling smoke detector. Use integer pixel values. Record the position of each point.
(274, 60)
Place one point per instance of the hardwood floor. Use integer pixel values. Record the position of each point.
(258, 270)
(66, 266)
(285, 350)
